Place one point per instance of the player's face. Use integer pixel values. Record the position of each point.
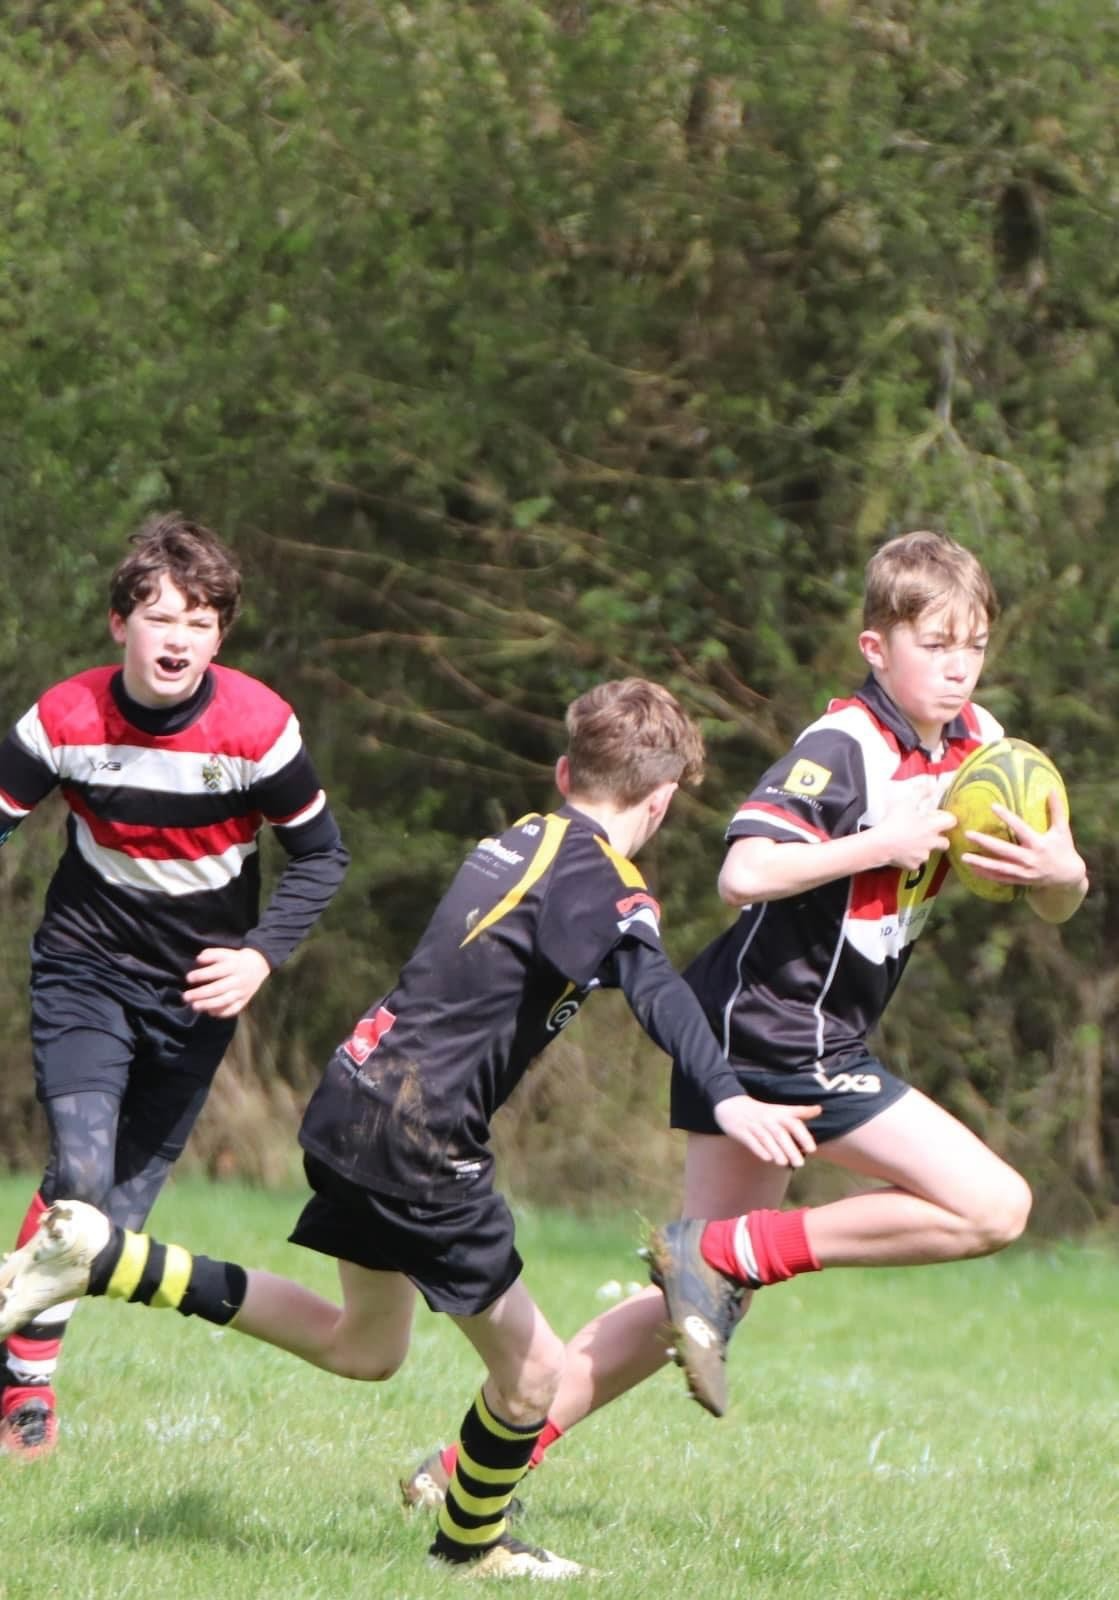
(168, 644)
(930, 667)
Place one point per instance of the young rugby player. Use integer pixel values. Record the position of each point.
(397, 1133)
(152, 940)
(835, 859)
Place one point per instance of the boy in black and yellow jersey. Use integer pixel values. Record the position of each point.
(397, 1133)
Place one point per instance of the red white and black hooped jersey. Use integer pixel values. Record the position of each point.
(532, 923)
(798, 980)
(166, 806)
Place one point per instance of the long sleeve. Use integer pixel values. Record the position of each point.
(317, 862)
(27, 771)
(672, 1017)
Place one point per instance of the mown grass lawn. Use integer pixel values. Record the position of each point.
(938, 1434)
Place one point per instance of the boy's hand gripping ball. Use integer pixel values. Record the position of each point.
(1014, 774)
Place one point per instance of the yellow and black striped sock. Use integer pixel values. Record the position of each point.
(136, 1267)
(493, 1457)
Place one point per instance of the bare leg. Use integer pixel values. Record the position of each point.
(523, 1356)
(949, 1195)
(629, 1342)
(366, 1337)
(495, 1444)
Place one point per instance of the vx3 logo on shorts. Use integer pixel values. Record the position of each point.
(848, 1082)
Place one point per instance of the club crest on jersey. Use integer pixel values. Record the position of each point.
(806, 777)
(211, 774)
(638, 908)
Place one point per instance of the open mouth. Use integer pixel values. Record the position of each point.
(172, 664)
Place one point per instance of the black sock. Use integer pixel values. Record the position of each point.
(137, 1268)
(493, 1457)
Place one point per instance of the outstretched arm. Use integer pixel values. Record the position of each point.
(672, 1016)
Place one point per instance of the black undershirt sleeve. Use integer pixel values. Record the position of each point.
(317, 862)
(672, 1017)
(24, 779)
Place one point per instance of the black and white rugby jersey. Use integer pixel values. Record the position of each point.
(795, 981)
(166, 806)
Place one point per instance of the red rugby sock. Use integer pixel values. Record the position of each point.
(780, 1244)
(31, 1221)
(775, 1248)
(37, 1354)
(718, 1249)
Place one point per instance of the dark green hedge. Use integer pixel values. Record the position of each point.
(518, 345)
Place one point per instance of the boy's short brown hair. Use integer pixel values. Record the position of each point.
(626, 737)
(195, 560)
(916, 572)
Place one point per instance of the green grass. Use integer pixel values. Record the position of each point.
(946, 1434)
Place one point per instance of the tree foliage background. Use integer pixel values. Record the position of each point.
(517, 345)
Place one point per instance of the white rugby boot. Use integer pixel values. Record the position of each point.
(54, 1263)
(509, 1558)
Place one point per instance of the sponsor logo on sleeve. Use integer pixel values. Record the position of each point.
(638, 908)
(807, 778)
(368, 1035)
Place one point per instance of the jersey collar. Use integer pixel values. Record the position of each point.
(161, 721)
(883, 709)
(575, 815)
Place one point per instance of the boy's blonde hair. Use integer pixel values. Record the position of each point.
(626, 737)
(917, 572)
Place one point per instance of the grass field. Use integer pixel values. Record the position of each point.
(945, 1434)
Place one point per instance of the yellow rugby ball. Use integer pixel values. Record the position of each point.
(1014, 774)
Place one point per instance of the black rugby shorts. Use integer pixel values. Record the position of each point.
(850, 1090)
(96, 1026)
(459, 1253)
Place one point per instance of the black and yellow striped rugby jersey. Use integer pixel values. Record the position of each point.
(533, 922)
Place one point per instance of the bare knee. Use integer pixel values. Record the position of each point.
(363, 1366)
(527, 1394)
(1001, 1215)
(363, 1371)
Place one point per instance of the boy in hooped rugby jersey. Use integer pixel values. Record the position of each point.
(834, 859)
(397, 1133)
(152, 940)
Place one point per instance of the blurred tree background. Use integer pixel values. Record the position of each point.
(516, 345)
